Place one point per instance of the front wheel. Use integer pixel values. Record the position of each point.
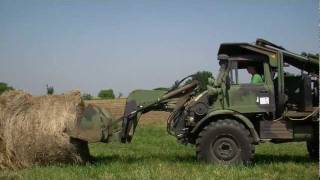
(225, 142)
(313, 150)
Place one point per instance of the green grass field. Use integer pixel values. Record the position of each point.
(155, 155)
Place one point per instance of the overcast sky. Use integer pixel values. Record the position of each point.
(125, 45)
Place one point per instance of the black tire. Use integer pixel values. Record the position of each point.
(225, 142)
(313, 146)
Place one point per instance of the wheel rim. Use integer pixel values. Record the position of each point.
(225, 149)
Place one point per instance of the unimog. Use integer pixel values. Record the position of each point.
(231, 116)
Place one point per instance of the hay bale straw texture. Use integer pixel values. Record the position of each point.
(32, 130)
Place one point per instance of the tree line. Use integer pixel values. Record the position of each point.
(103, 94)
(200, 76)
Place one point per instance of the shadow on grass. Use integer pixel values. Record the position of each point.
(268, 158)
(259, 159)
(129, 159)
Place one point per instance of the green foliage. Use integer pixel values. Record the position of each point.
(202, 78)
(50, 90)
(106, 94)
(175, 85)
(153, 154)
(310, 55)
(4, 87)
(86, 96)
(161, 89)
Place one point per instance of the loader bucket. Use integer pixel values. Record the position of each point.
(95, 125)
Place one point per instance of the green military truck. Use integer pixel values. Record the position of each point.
(226, 121)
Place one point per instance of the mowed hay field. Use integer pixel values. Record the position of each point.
(154, 154)
(117, 106)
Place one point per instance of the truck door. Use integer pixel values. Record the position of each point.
(245, 96)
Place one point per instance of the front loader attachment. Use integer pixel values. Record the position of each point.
(98, 125)
(143, 101)
(138, 102)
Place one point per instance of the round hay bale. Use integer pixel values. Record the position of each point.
(32, 130)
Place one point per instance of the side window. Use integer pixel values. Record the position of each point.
(291, 70)
(246, 72)
(244, 76)
(233, 76)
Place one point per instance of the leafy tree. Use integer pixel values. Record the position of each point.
(86, 96)
(50, 90)
(106, 94)
(202, 78)
(310, 55)
(174, 85)
(161, 89)
(4, 87)
(304, 54)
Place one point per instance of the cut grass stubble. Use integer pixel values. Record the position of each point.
(154, 154)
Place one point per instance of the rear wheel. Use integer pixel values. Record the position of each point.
(225, 142)
(313, 146)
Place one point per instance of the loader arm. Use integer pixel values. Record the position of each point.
(143, 101)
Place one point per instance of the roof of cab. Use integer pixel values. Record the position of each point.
(266, 48)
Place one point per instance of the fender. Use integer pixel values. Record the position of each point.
(235, 114)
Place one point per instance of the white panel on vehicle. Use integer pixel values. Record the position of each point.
(264, 100)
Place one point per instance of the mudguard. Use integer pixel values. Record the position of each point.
(231, 113)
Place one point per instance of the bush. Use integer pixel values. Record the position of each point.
(161, 89)
(202, 77)
(4, 87)
(106, 94)
(50, 90)
(86, 96)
